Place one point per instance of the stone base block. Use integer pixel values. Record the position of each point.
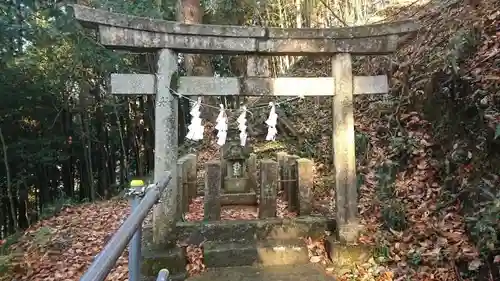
(349, 233)
(345, 255)
(173, 259)
(267, 253)
(253, 230)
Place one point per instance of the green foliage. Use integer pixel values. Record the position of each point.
(59, 203)
(497, 131)
(460, 47)
(414, 258)
(362, 143)
(5, 255)
(402, 148)
(46, 60)
(5, 261)
(386, 175)
(394, 215)
(393, 210)
(9, 241)
(484, 223)
(382, 252)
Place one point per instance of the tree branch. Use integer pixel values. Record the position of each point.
(333, 13)
(9, 181)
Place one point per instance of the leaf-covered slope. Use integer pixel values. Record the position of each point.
(424, 168)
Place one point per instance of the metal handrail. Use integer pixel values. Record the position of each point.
(163, 275)
(107, 258)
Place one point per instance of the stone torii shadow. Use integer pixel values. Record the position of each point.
(119, 31)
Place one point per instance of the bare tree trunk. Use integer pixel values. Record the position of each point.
(120, 123)
(9, 181)
(86, 140)
(190, 11)
(298, 15)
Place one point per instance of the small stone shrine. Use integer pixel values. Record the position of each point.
(236, 172)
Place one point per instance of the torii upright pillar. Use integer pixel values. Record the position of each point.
(166, 135)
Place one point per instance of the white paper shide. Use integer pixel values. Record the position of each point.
(242, 120)
(195, 129)
(271, 123)
(221, 126)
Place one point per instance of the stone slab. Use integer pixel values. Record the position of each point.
(127, 38)
(239, 199)
(142, 40)
(282, 86)
(93, 17)
(368, 46)
(272, 252)
(398, 27)
(266, 253)
(257, 230)
(216, 254)
(313, 272)
(134, 84)
(249, 198)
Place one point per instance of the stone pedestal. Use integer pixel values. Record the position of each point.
(236, 185)
(290, 182)
(252, 172)
(305, 185)
(268, 189)
(212, 206)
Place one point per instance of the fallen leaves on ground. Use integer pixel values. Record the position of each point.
(62, 247)
(196, 211)
(316, 250)
(194, 255)
(282, 209)
(434, 238)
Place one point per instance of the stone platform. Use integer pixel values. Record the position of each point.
(244, 244)
(310, 272)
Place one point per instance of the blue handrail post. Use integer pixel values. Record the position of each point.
(163, 275)
(104, 262)
(137, 188)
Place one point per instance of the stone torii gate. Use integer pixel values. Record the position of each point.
(120, 31)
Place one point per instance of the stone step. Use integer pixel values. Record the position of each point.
(265, 253)
(171, 277)
(173, 259)
(258, 230)
(298, 272)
